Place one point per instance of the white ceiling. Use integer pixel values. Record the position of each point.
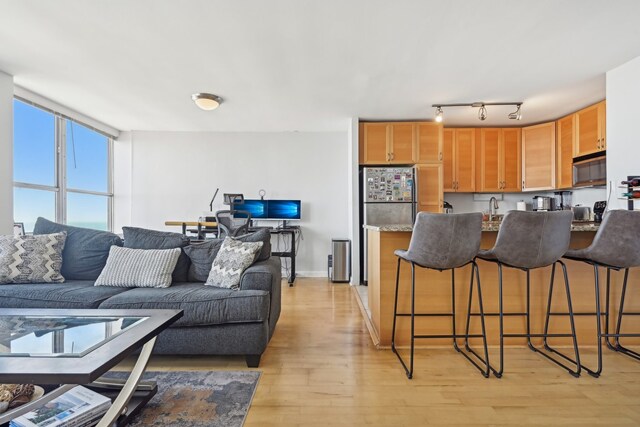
(310, 65)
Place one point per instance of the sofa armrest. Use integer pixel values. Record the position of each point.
(266, 276)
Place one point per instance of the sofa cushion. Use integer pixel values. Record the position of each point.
(31, 259)
(139, 268)
(203, 254)
(72, 294)
(141, 238)
(85, 250)
(202, 305)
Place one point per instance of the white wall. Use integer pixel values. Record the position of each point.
(623, 139)
(6, 153)
(122, 181)
(354, 200)
(173, 176)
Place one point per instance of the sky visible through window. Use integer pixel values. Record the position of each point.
(87, 168)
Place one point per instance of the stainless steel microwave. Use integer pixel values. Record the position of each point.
(590, 172)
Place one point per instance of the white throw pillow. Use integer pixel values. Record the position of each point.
(139, 268)
(32, 259)
(233, 258)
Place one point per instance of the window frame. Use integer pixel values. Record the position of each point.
(60, 166)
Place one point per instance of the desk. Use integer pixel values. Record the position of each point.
(198, 224)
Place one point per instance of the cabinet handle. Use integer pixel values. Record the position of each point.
(440, 156)
(523, 184)
(388, 157)
(598, 146)
(393, 156)
(602, 147)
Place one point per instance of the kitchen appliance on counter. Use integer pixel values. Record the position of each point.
(563, 200)
(598, 210)
(388, 195)
(544, 203)
(447, 207)
(581, 213)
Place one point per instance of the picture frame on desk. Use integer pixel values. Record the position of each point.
(18, 229)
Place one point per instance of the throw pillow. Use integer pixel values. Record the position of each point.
(31, 259)
(85, 251)
(203, 254)
(141, 238)
(139, 268)
(233, 258)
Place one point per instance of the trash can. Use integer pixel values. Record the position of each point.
(339, 262)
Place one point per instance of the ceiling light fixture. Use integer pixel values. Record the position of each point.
(439, 114)
(482, 112)
(206, 101)
(516, 115)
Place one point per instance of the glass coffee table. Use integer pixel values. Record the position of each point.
(64, 348)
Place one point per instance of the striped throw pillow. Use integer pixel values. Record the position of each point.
(233, 258)
(139, 268)
(31, 259)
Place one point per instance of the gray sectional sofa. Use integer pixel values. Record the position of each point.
(216, 321)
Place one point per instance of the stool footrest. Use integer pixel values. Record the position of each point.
(537, 335)
(448, 336)
(581, 313)
(425, 314)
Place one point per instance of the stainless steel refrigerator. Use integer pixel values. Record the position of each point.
(388, 197)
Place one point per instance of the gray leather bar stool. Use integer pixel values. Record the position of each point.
(526, 241)
(443, 242)
(615, 247)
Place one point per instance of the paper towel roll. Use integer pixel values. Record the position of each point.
(521, 206)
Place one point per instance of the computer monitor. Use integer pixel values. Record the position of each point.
(257, 208)
(283, 209)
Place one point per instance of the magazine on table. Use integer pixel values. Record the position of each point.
(77, 407)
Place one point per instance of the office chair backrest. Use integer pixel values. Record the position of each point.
(233, 223)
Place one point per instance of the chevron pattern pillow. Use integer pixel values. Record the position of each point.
(31, 259)
(233, 258)
(139, 268)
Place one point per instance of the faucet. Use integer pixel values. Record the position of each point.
(493, 207)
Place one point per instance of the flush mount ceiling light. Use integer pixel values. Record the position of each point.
(206, 101)
(482, 112)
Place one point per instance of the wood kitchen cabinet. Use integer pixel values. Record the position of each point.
(499, 160)
(591, 130)
(459, 162)
(387, 143)
(430, 194)
(429, 142)
(539, 157)
(565, 146)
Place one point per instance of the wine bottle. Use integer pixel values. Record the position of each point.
(632, 195)
(635, 182)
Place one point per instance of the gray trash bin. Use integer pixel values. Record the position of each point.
(339, 264)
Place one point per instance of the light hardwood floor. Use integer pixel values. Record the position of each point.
(321, 368)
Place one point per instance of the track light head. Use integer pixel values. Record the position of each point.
(516, 115)
(482, 113)
(439, 114)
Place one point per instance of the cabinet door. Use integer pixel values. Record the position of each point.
(448, 159)
(588, 130)
(539, 157)
(430, 194)
(602, 114)
(465, 160)
(403, 143)
(429, 143)
(375, 143)
(489, 153)
(566, 134)
(511, 162)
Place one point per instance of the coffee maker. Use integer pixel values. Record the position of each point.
(598, 210)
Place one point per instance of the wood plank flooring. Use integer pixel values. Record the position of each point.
(321, 368)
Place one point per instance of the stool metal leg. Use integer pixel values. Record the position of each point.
(607, 309)
(413, 318)
(486, 370)
(395, 309)
(619, 347)
(498, 373)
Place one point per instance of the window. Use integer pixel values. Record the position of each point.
(62, 170)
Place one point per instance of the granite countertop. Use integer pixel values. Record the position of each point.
(486, 226)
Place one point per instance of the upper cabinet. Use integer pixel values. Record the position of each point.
(499, 164)
(429, 142)
(458, 160)
(539, 157)
(590, 130)
(566, 139)
(387, 143)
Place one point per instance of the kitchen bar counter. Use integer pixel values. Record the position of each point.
(433, 292)
(486, 226)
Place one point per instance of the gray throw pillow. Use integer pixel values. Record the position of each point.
(139, 268)
(85, 250)
(203, 254)
(142, 238)
(31, 259)
(233, 258)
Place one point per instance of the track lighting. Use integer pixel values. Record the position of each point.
(516, 115)
(482, 112)
(439, 114)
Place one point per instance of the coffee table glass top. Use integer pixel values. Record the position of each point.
(59, 335)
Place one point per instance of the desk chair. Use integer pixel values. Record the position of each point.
(233, 223)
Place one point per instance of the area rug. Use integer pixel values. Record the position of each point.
(198, 398)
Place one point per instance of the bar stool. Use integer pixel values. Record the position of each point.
(615, 247)
(443, 242)
(526, 241)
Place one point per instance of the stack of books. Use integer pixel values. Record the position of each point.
(78, 407)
